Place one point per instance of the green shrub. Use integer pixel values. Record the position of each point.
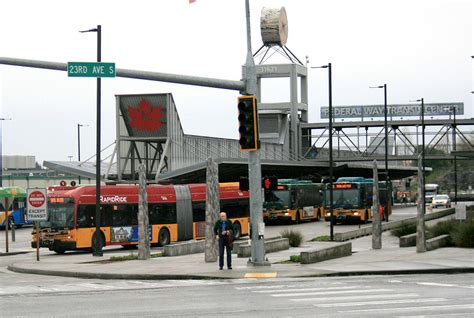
(463, 234)
(130, 257)
(441, 228)
(321, 238)
(295, 237)
(403, 230)
(295, 258)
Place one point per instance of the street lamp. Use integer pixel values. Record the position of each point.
(453, 109)
(1, 151)
(422, 110)
(97, 237)
(385, 111)
(79, 144)
(331, 172)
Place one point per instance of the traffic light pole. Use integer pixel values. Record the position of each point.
(257, 226)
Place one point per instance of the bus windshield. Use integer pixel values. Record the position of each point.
(282, 196)
(60, 215)
(344, 198)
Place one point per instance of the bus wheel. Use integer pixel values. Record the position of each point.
(237, 230)
(298, 220)
(59, 250)
(163, 237)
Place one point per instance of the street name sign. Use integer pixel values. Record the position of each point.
(37, 205)
(90, 69)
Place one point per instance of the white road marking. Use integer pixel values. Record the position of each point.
(443, 285)
(381, 302)
(427, 308)
(358, 291)
(358, 297)
(303, 289)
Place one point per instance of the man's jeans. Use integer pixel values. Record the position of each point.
(222, 244)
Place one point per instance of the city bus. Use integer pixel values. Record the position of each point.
(295, 201)
(353, 199)
(17, 210)
(176, 213)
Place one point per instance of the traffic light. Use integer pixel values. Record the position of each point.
(407, 183)
(248, 124)
(270, 183)
(244, 184)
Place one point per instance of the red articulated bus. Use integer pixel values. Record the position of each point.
(175, 212)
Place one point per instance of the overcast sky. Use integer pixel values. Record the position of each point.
(419, 48)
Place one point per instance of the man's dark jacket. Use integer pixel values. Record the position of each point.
(228, 227)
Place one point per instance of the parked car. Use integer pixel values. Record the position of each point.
(442, 200)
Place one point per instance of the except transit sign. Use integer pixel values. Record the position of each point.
(399, 110)
(90, 69)
(37, 209)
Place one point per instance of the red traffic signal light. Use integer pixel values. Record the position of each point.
(248, 123)
(270, 183)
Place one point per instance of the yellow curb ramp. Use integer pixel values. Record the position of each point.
(260, 275)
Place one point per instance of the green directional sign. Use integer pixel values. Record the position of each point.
(90, 69)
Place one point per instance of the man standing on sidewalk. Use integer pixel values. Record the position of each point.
(224, 231)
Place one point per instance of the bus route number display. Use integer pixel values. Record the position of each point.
(343, 186)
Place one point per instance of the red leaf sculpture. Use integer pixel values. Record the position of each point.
(144, 117)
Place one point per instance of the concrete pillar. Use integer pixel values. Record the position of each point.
(376, 221)
(420, 216)
(212, 209)
(143, 223)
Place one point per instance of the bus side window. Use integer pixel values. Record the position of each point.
(85, 216)
(162, 213)
(199, 211)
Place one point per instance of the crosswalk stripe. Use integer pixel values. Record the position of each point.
(427, 308)
(463, 314)
(303, 289)
(443, 285)
(358, 297)
(359, 291)
(381, 302)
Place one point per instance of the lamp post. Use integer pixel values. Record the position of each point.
(97, 237)
(385, 111)
(79, 145)
(422, 111)
(331, 171)
(453, 110)
(1, 151)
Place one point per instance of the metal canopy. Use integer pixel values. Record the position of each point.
(83, 169)
(230, 170)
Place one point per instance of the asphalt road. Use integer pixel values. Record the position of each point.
(24, 295)
(374, 296)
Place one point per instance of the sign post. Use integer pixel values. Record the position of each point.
(37, 210)
(6, 204)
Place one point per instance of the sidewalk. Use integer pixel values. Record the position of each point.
(364, 261)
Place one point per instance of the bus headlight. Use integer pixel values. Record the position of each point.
(356, 213)
(286, 214)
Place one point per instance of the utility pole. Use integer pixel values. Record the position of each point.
(257, 227)
(97, 240)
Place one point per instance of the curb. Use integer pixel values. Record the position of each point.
(15, 253)
(88, 275)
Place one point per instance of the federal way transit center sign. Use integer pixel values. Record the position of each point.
(399, 110)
